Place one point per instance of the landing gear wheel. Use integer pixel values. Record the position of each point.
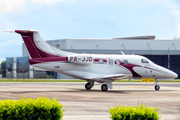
(157, 87)
(88, 86)
(104, 87)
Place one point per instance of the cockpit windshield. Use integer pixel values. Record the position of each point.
(144, 61)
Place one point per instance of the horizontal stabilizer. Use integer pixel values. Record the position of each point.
(11, 31)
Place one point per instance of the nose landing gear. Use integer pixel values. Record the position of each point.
(156, 87)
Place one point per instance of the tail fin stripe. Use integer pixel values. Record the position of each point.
(31, 48)
(36, 46)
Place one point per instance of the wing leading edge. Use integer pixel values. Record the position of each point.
(113, 77)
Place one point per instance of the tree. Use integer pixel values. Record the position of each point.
(3, 68)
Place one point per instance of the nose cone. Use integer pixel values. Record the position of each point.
(172, 74)
(165, 73)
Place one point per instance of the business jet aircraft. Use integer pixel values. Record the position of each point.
(91, 67)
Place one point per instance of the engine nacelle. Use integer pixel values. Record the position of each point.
(81, 59)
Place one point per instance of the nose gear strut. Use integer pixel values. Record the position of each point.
(156, 87)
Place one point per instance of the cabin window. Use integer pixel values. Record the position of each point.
(101, 61)
(118, 62)
(144, 61)
(125, 62)
(110, 61)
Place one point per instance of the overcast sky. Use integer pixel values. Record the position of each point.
(58, 19)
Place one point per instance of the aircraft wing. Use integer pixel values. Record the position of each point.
(112, 77)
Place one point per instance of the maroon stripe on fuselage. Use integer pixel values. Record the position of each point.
(48, 59)
(97, 60)
(130, 68)
(104, 60)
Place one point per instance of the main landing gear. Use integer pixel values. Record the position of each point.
(89, 85)
(156, 87)
(104, 87)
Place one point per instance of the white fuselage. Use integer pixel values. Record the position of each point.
(89, 66)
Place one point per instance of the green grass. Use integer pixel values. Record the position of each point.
(60, 80)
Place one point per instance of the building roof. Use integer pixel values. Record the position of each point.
(139, 37)
(130, 45)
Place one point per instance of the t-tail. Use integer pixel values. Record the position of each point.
(37, 47)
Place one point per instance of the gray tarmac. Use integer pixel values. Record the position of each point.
(81, 104)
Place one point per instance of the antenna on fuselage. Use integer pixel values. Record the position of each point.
(122, 53)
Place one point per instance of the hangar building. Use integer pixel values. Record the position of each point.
(163, 52)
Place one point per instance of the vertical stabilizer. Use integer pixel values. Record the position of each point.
(36, 46)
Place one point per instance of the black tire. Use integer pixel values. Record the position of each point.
(104, 87)
(88, 86)
(157, 87)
